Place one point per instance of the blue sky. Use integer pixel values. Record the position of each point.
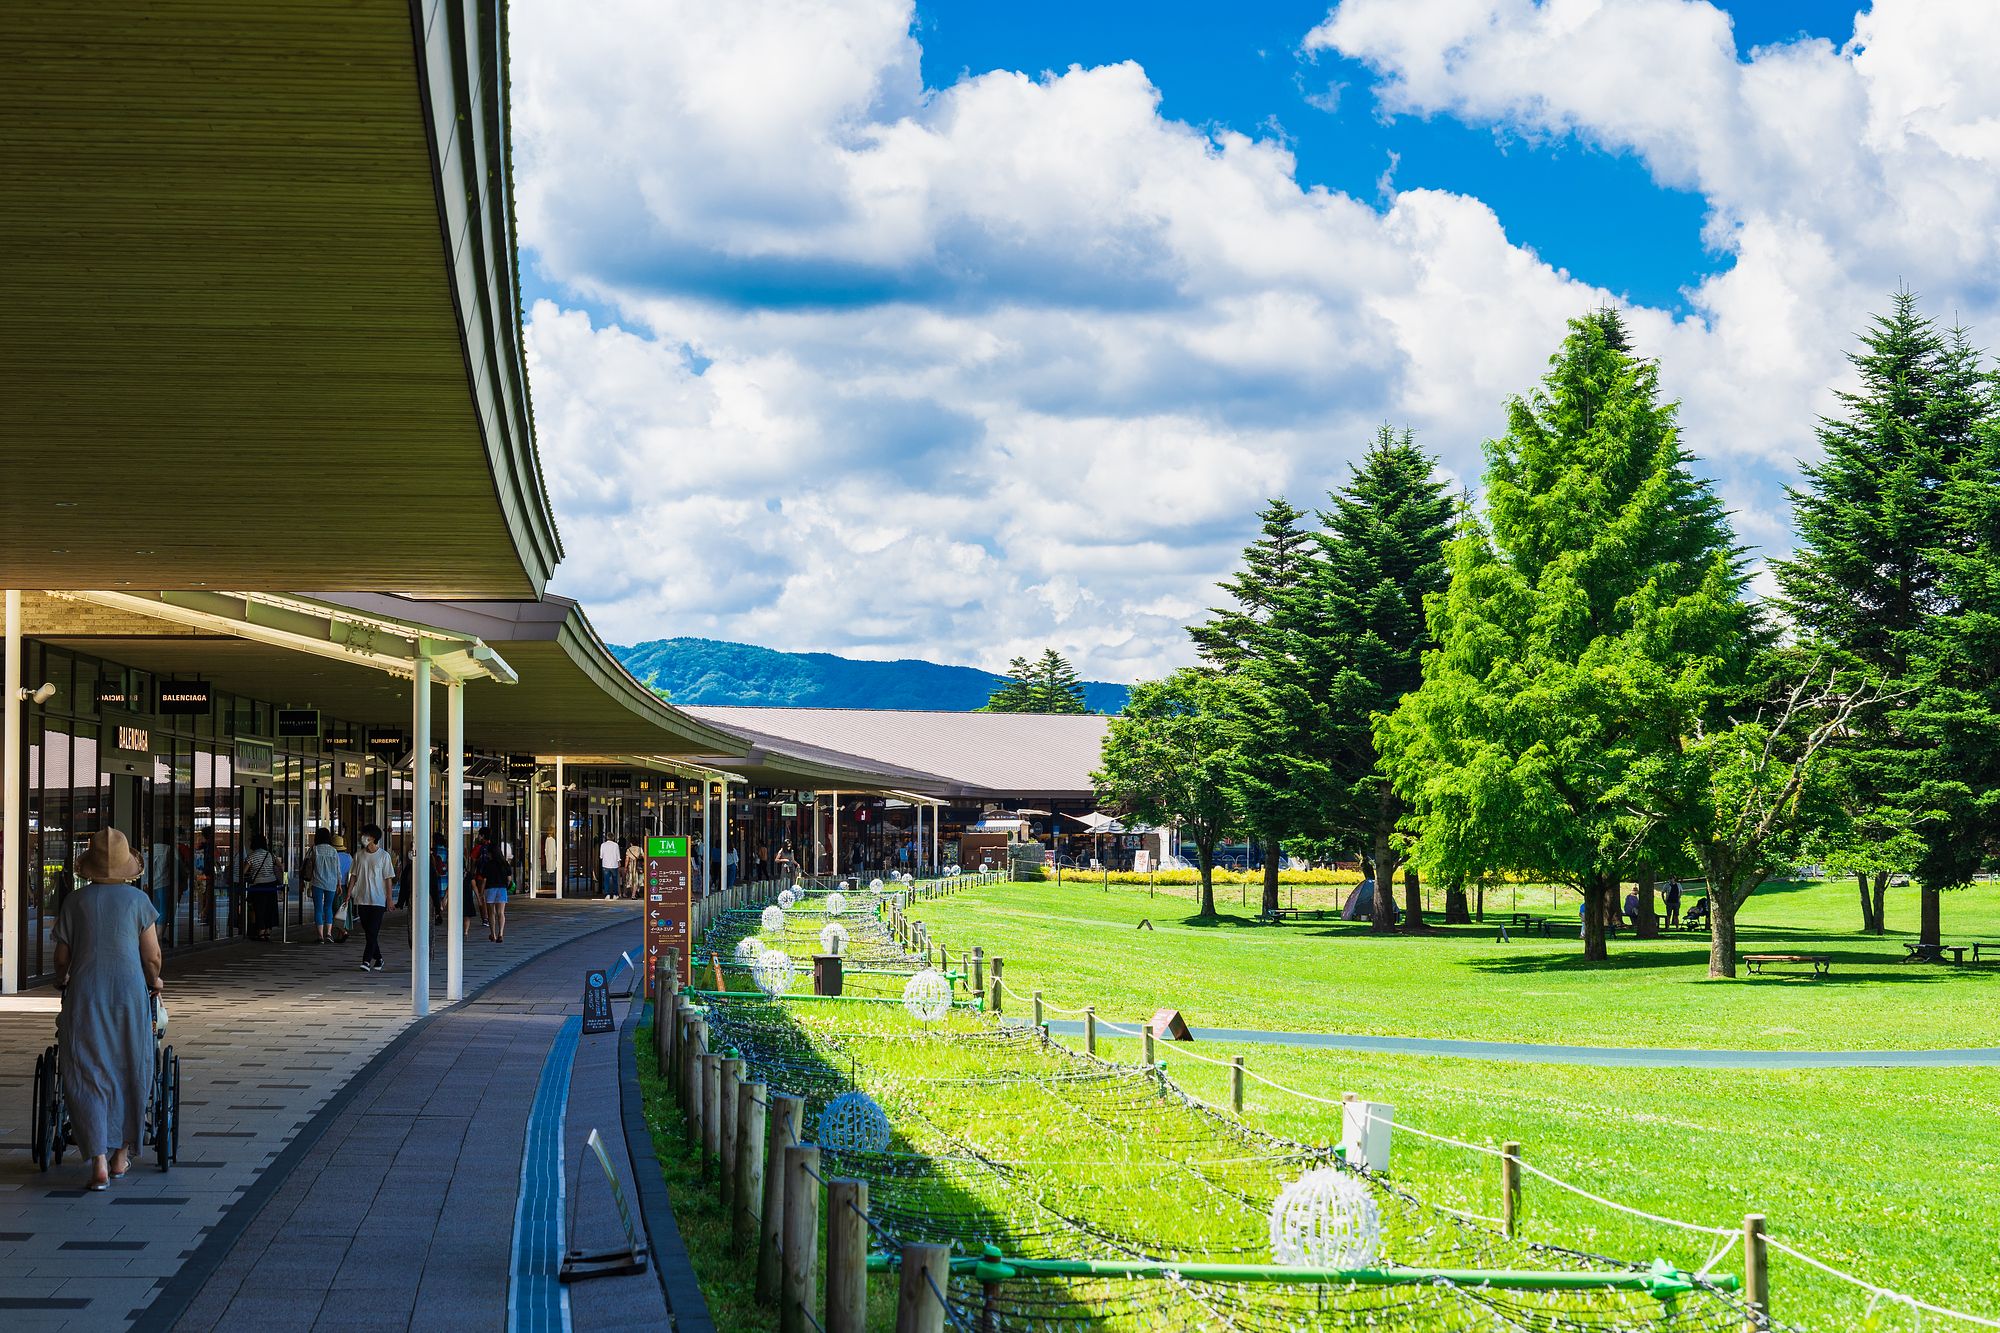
(1240, 66)
(958, 330)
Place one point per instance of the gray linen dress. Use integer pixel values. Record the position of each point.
(106, 1025)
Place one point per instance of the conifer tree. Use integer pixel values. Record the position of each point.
(1049, 684)
(1016, 694)
(1382, 552)
(1886, 578)
(1594, 619)
(1258, 646)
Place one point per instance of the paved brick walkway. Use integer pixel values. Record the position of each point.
(268, 1035)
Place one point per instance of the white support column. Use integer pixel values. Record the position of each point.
(936, 854)
(919, 849)
(13, 828)
(561, 827)
(722, 861)
(454, 902)
(833, 800)
(819, 839)
(418, 892)
(534, 833)
(707, 841)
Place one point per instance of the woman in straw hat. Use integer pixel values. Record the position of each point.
(107, 963)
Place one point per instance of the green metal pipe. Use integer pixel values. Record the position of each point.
(851, 999)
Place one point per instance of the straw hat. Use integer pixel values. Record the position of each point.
(109, 860)
(339, 843)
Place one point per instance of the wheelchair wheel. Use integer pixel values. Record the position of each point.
(41, 1134)
(57, 1123)
(166, 1108)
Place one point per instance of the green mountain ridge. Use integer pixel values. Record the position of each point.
(714, 671)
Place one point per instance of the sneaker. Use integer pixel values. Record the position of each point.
(366, 968)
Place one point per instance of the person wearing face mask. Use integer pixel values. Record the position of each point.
(368, 889)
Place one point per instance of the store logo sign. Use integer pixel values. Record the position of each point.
(136, 739)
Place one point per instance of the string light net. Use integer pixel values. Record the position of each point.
(852, 1122)
(773, 920)
(927, 996)
(773, 971)
(833, 938)
(1325, 1219)
(836, 903)
(786, 898)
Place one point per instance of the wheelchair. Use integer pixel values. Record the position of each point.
(50, 1136)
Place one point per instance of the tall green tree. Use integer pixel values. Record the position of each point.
(1382, 552)
(1167, 760)
(1596, 619)
(1049, 684)
(1888, 566)
(1259, 644)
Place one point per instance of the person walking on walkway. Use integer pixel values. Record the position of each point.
(261, 877)
(323, 868)
(368, 889)
(499, 876)
(608, 857)
(107, 965)
(635, 869)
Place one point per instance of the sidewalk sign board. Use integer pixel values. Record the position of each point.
(596, 1002)
(669, 907)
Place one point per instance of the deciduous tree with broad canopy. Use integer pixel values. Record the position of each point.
(1167, 760)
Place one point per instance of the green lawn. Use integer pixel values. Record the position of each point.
(1894, 1174)
(1081, 945)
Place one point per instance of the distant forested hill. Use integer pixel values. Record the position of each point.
(709, 671)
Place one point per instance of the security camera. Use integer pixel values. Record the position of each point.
(43, 692)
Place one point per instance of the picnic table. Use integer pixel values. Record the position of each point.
(1934, 953)
(1820, 963)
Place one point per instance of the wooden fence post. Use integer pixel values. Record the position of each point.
(846, 1255)
(801, 1255)
(711, 1112)
(1510, 1188)
(1756, 1272)
(781, 1132)
(918, 1309)
(1151, 1058)
(1236, 1084)
(1090, 1029)
(999, 967)
(979, 971)
(692, 1048)
(1038, 1009)
(732, 1078)
(749, 1194)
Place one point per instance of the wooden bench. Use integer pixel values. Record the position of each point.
(1282, 914)
(1820, 963)
(1990, 948)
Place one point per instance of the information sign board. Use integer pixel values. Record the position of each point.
(669, 906)
(596, 1002)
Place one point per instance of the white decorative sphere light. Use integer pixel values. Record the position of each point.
(787, 898)
(748, 948)
(1326, 1218)
(852, 1122)
(927, 996)
(773, 919)
(845, 886)
(836, 903)
(773, 971)
(875, 884)
(833, 938)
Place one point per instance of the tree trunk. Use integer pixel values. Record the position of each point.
(1593, 920)
(1721, 933)
(1413, 899)
(1456, 911)
(1480, 909)
(1930, 930)
(1869, 925)
(1384, 906)
(1206, 856)
(1881, 896)
(1649, 921)
(1271, 904)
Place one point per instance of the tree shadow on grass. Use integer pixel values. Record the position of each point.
(1848, 966)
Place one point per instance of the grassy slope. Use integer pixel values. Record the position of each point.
(1081, 945)
(1890, 1173)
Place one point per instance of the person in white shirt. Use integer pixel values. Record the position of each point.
(368, 889)
(549, 850)
(608, 857)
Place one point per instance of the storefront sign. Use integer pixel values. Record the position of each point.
(619, 779)
(114, 696)
(185, 698)
(387, 742)
(789, 810)
(138, 740)
(596, 1002)
(299, 722)
(669, 906)
(253, 758)
(352, 769)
